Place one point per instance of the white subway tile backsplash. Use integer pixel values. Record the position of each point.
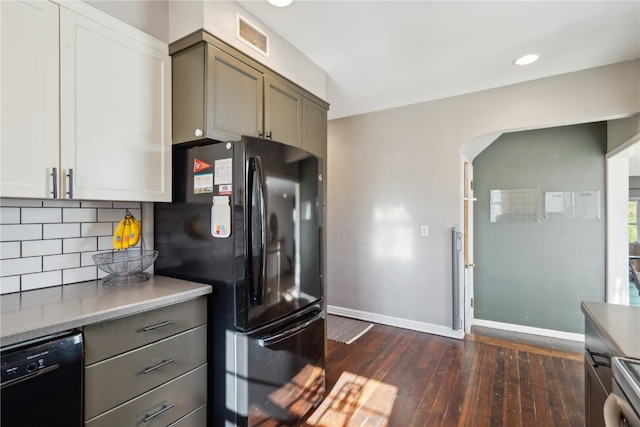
(86, 258)
(17, 232)
(82, 244)
(21, 202)
(127, 205)
(41, 247)
(105, 243)
(41, 215)
(58, 231)
(60, 203)
(41, 280)
(96, 204)
(15, 266)
(79, 215)
(60, 262)
(9, 250)
(9, 215)
(46, 243)
(79, 274)
(8, 285)
(96, 229)
(111, 215)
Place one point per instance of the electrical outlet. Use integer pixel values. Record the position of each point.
(424, 230)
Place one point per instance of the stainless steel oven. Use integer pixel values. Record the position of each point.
(622, 407)
(42, 382)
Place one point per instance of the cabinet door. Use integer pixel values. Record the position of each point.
(314, 128)
(282, 113)
(189, 109)
(234, 97)
(114, 112)
(29, 129)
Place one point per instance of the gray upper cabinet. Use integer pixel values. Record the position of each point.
(215, 96)
(314, 128)
(220, 93)
(282, 113)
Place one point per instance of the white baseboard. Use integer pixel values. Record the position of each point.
(529, 330)
(396, 322)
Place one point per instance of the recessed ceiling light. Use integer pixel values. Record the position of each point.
(280, 3)
(526, 59)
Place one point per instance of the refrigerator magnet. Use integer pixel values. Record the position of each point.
(203, 183)
(224, 174)
(220, 217)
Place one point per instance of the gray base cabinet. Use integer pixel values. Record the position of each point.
(611, 330)
(597, 375)
(148, 369)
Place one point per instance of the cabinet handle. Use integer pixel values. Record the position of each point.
(54, 174)
(199, 133)
(159, 325)
(70, 175)
(164, 408)
(260, 134)
(159, 365)
(593, 362)
(269, 135)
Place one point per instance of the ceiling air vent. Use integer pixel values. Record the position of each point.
(251, 35)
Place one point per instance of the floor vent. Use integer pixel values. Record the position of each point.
(253, 36)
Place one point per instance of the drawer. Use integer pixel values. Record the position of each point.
(197, 418)
(103, 340)
(113, 381)
(161, 406)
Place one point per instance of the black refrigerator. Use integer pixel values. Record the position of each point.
(246, 218)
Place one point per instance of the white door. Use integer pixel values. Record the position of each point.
(468, 246)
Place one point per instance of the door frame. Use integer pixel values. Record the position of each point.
(467, 233)
(617, 243)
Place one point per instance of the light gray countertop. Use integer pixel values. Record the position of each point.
(619, 324)
(33, 314)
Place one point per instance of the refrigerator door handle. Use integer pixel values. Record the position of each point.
(255, 166)
(266, 342)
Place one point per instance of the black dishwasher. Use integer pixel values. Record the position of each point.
(41, 381)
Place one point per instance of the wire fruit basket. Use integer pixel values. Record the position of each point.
(125, 266)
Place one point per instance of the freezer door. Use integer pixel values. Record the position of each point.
(279, 374)
(284, 231)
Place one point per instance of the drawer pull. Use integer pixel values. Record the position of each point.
(159, 325)
(158, 412)
(593, 362)
(159, 365)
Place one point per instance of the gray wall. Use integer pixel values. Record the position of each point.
(536, 273)
(391, 171)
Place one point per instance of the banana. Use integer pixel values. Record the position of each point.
(134, 237)
(126, 234)
(118, 235)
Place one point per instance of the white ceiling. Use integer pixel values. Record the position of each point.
(384, 54)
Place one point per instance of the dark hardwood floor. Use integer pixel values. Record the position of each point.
(396, 377)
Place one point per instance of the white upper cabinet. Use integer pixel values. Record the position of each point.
(112, 135)
(114, 113)
(29, 112)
